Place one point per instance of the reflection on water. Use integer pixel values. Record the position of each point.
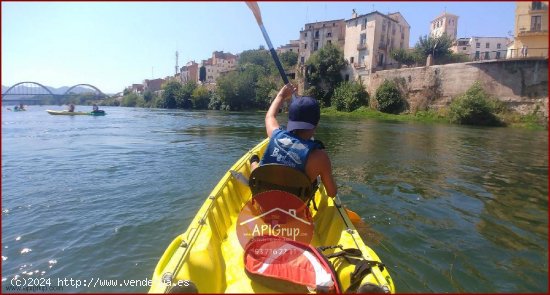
(453, 209)
(447, 208)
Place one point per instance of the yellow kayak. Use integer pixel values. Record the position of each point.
(208, 257)
(67, 113)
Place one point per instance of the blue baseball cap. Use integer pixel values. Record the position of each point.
(303, 113)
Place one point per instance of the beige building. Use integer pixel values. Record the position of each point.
(370, 38)
(190, 72)
(316, 35)
(444, 23)
(293, 46)
(531, 30)
(218, 64)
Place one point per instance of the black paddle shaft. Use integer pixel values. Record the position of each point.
(278, 64)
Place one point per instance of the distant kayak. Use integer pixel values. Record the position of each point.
(67, 113)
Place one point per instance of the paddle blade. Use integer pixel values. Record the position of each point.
(253, 5)
(354, 217)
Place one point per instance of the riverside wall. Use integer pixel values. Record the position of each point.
(521, 83)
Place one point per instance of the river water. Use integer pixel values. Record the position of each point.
(447, 208)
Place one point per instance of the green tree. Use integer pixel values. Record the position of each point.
(132, 100)
(148, 96)
(403, 56)
(324, 67)
(184, 99)
(237, 90)
(202, 74)
(289, 59)
(264, 90)
(388, 98)
(475, 107)
(440, 47)
(258, 57)
(349, 96)
(200, 98)
(172, 94)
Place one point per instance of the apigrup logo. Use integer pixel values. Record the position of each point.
(275, 214)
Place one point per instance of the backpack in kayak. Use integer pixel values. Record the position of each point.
(289, 266)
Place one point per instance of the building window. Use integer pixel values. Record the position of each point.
(351, 59)
(463, 48)
(363, 39)
(305, 34)
(536, 23)
(305, 46)
(498, 45)
(487, 45)
(302, 60)
(329, 34)
(477, 55)
(329, 41)
(382, 39)
(317, 34)
(347, 77)
(498, 55)
(487, 55)
(536, 5)
(364, 24)
(315, 45)
(478, 45)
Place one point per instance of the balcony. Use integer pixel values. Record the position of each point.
(362, 46)
(533, 31)
(358, 65)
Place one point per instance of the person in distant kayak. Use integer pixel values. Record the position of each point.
(21, 107)
(71, 107)
(95, 108)
(294, 146)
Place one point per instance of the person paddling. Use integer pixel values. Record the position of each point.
(294, 146)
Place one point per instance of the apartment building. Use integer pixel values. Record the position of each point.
(218, 64)
(293, 46)
(316, 35)
(153, 85)
(531, 30)
(370, 38)
(189, 72)
(444, 23)
(482, 48)
(136, 88)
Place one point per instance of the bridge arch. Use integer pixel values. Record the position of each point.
(28, 82)
(89, 85)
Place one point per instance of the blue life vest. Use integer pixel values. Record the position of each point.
(288, 149)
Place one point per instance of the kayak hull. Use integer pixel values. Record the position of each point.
(67, 113)
(208, 253)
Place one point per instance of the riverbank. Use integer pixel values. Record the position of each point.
(531, 122)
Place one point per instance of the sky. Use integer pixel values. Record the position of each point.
(112, 45)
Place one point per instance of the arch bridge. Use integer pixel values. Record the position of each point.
(35, 92)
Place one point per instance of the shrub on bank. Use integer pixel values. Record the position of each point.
(349, 96)
(475, 107)
(388, 98)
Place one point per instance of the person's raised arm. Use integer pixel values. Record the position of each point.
(271, 122)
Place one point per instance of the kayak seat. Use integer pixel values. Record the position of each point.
(284, 178)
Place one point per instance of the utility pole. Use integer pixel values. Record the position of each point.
(176, 63)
